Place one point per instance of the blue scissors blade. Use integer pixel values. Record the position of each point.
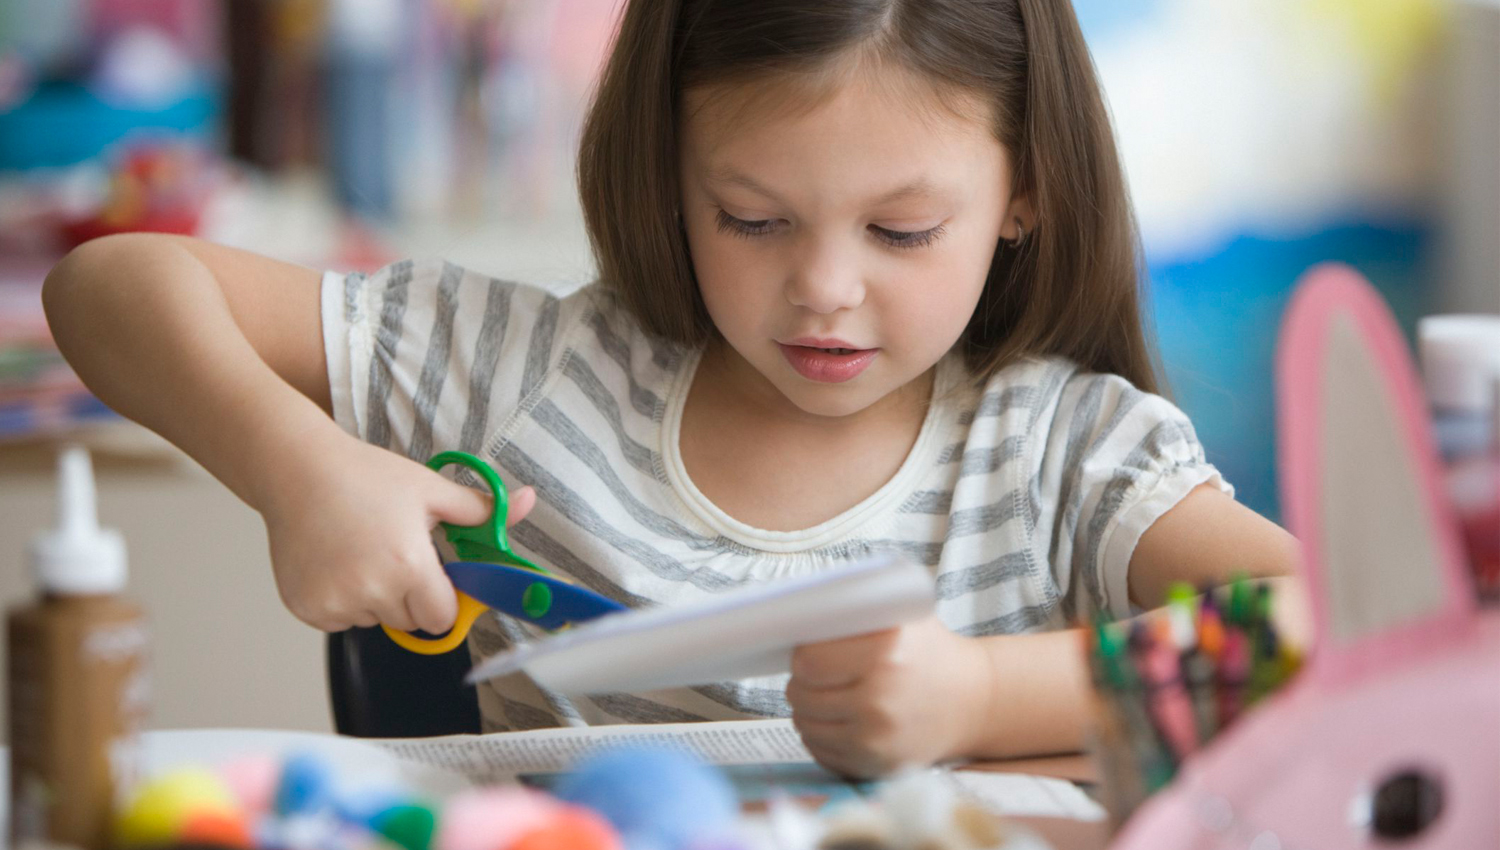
(503, 588)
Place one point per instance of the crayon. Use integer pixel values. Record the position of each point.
(1234, 674)
(1157, 764)
(1182, 605)
(1171, 710)
(1121, 789)
(1238, 611)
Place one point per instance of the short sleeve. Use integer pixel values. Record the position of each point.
(1113, 460)
(426, 356)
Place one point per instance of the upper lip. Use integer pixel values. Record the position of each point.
(822, 342)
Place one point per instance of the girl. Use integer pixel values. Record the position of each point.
(867, 280)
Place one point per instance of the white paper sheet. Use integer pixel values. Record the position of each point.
(743, 633)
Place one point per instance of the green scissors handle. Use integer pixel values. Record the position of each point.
(486, 542)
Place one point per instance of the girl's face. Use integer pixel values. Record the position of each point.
(841, 246)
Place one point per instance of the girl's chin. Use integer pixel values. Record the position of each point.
(830, 400)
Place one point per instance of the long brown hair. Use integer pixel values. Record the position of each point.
(1072, 287)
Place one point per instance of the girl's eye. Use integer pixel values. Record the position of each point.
(739, 227)
(906, 238)
(727, 223)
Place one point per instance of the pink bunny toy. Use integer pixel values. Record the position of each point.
(1390, 736)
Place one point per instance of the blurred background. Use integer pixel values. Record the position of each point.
(1260, 137)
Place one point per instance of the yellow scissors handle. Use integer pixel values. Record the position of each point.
(469, 610)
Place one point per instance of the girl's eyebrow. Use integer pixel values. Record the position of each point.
(919, 188)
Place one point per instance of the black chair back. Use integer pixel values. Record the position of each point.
(379, 690)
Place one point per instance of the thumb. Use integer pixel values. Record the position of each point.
(522, 500)
(456, 504)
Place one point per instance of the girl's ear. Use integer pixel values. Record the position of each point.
(1020, 221)
(1360, 480)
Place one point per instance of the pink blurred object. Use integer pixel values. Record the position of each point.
(253, 779)
(1390, 736)
(192, 24)
(494, 818)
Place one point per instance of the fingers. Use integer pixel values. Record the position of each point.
(841, 663)
(822, 705)
(457, 504)
(364, 619)
(460, 505)
(334, 620)
(835, 746)
(433, 604)
(522, 500)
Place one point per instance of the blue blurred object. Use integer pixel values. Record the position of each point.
(659, 799)
(1104, 18)
(1217, 318)
(63, 123)
(362, 48)
(306, 786)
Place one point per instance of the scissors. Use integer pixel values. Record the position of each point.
(490, 575)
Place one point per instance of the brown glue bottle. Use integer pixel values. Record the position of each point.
(77, 678)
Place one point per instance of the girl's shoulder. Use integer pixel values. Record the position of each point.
(469, 303)
(1040, 394)
(426, 352)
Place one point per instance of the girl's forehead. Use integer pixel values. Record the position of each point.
(847, 91)
(860, 143)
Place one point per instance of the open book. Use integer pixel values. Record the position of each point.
(747, 632)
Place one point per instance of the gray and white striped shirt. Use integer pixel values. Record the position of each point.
(1025, 495)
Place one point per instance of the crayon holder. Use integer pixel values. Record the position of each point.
(1166, 685)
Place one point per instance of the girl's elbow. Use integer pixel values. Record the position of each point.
(84, 270)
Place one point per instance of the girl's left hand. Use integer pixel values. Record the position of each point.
(870, 704)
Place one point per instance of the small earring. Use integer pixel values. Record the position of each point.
(1020, 234)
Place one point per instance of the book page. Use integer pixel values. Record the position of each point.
(505, 755)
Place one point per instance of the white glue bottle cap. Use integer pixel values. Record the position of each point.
(1460, 360)
(78, 557)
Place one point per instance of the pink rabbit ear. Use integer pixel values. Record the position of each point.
(1360, 480)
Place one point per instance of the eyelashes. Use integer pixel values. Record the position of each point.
(726, 223)
(907, 238)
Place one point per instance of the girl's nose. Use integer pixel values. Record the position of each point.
(826, 278)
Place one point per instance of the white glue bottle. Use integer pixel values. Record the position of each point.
(1461, 368)
(78, 686)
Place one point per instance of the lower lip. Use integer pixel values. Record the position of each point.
(815, 364)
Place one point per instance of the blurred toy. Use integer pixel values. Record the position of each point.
(158, 188)
(486, 818)
(573, 828)
(184, 805)
(920, 810)
(254, 780)
(658, 799)
(1390, 733)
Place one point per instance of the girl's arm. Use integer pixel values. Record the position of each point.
(920, 693)
(216, 349)
(221, 352)
(1206, 539)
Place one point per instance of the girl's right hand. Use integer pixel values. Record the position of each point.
(350, 531)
